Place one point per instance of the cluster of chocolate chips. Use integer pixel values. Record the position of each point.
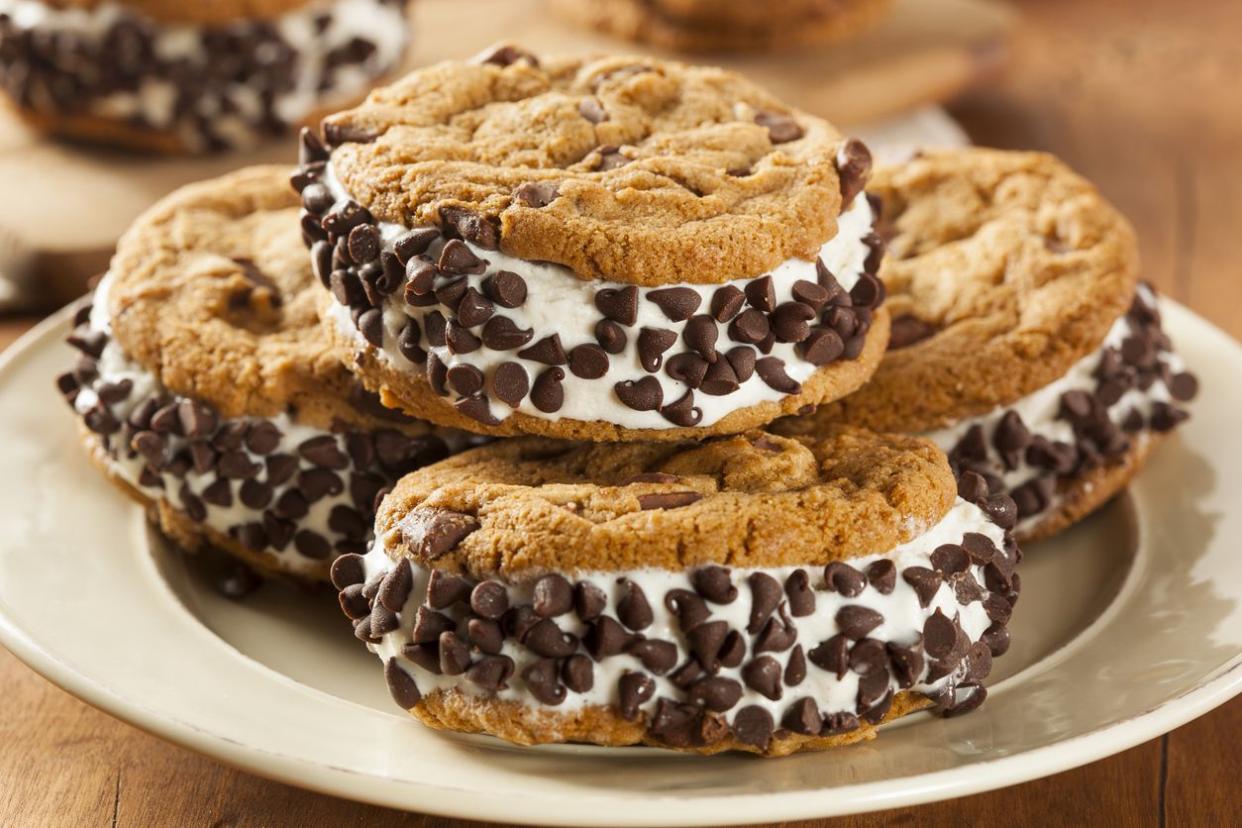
(1099, 438)
(823, 321)
(461, 626)
(247, 460)
(71, 73)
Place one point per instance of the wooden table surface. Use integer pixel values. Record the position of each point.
(1140, 95)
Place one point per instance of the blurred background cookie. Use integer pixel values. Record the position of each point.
(191, 77)
(726, 25)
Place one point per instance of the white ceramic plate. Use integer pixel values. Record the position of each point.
(1129, 625)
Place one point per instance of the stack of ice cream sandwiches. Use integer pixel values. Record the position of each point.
(589, 386)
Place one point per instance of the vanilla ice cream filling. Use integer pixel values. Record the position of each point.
(904, 614)
(557, 302)
(1041, 411)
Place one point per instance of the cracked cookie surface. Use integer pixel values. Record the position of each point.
(625, 168)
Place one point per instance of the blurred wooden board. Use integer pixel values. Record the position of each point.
(66, 204)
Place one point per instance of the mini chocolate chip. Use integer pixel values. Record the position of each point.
(843, 578)
(853, 168)
(633, 609)
(383, 621)
(939, 635)
(1183, 386)
(546, 393)
(726, 303)
(473, 308)
(781, 128)
(719, 380)
(634, 690)
(765, 594)
(472, 227)
(802, 716)
(789, 321)
(926, 582)
(705, 640)
(460, 340)
(323, 451)
(882, 575)
(414, 242)
(545, 638)
(408, 343)
(353, 603)
(262, 437)
(547, 350)
(510, 383)
(364, 243)
(347, 570)
(657, 656)
(716, 693)
(489, 599)
(537, 194)
(618, 304)
(715, 584)
(502, 334)
(255, 495)
(667, 500)
(810, 293)
(454, 654)
(641, 395)
(821, 346)
(589, 601)
(867, 292)
(197, 419)
(687, 368)
(588, 361)
(491, 672)
(465, 379)
(1002, 510)
(401, 685)
(578, 673)
(236, 465)
(832, 655)
(605, 637)
(429, 625)
(908, 330)
(801, 596)
(610, 336)
(687, 606)
(486, 636)
(652, 343)
(316, 484)
(997, 639)
(795, 667)
(997, 608)
(763, 675)
(761, 294)
(395, 589)
(445, 589)
(749, 327)
(456, 257)
(443, 531)
(687, 674)
(949, 558)
(507, 55)
(677, 303)
(754, 726)
(700, 335)
(777, 635)
(553, 596)
(311, 545)
(856, 621)
(772, 371)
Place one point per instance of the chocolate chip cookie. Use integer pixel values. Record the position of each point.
(192, 77)
(754, 592)
(726, 25)
(1021, 342)
(623, 248)
(205, 389)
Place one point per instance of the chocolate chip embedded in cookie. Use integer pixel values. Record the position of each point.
(726, 25)
(753, 593)
(1020, 341)
(190, 77)
(206, 391)
(623, 248)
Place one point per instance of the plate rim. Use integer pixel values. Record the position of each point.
(322, 777)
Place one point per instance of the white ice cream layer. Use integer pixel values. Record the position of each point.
(1039, 410)
(558, 302)
(903, 623)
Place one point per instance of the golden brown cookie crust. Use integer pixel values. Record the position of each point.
(202, 12)
(469, 135)
(1018, 264)
(183, 306)
(412, 393)
(730, 25)
(1082, 495)
(765, 501)
(600, 725)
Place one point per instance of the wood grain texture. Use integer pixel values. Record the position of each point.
(1139, 95)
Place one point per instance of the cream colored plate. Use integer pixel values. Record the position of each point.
(1128, 626)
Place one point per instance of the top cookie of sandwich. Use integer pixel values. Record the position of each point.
(1003, 270)
(521, 508)
(210, 290)
(214, 13)
(628, 169)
